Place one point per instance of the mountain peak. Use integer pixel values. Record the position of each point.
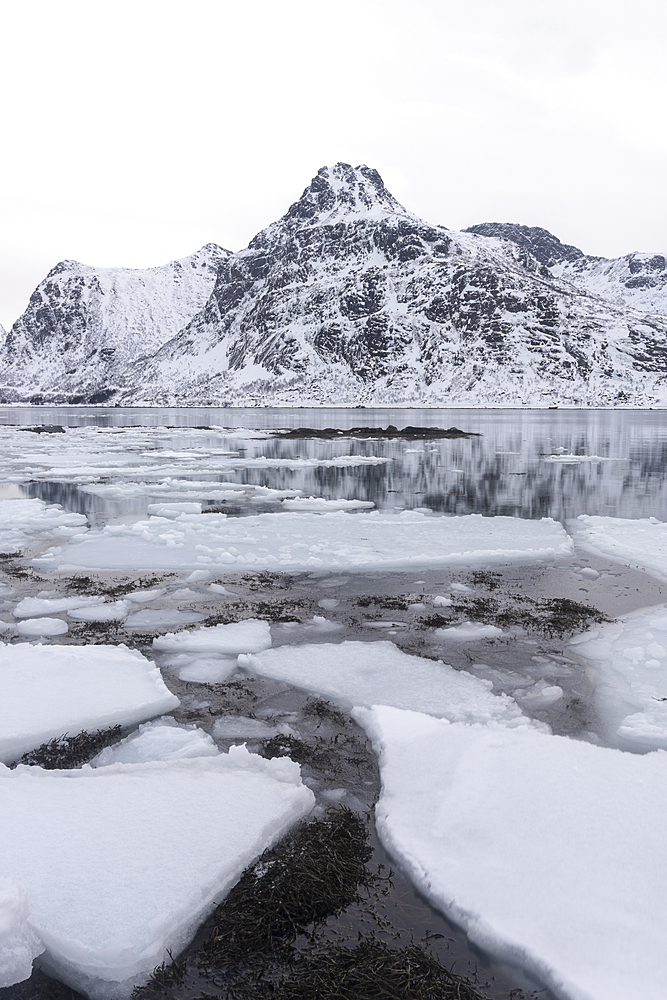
(343, 192)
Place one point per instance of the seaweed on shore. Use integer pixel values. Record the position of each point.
(551, 616)
(66, 752)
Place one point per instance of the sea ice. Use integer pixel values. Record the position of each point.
(33, 607)
(162, 739)
(145, 596)
(212, 669)
(633, 542)
(42, 627)
(249, 636)
(23, 521)
(371, 673)
(122, 863)
(46, 691)
(628, 663)
(320, 504)
(115, 611)
(311, 541)
(468, 632)
(548, 851)
(18, 942)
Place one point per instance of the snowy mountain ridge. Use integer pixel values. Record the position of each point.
(350, 298)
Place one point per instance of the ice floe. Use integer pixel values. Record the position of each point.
(162, 739)
(19, 944)
(320, 504)
(44, 627)
(32, 607)
(370, 673)
(121, 863)
(313, 541)
(114, 611)
(211, 669)
(632, 541)
(24, 521)
(162, 618)
(249, 636)
(46, 691)
(628, 662)
(468, 632)
(548, 851)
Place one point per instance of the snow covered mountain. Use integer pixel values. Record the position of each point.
(84, 324)
(638, 280)
(350, 298)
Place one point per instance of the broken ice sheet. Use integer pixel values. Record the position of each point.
(162, 739)
(122, 863)
(46, 691)
(548, 851)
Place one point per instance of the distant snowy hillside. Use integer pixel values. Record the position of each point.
(85, 324)
(638, 280)
(350, 298)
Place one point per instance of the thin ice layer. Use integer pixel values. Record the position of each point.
(371, 673)
(628, 662)
(46, 691)
(19, 944)
(631, 541)
(548, 851)
(314, 541)
(123, 862)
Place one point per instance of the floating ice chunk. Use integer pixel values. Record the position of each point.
(310, 541)
(18, 942)
(633, 542)
(328, 603)
(370, 673)
(211, 669)
(548, 851)
(589, 574)
(459, 588)
(249, 636)
(540, 695)
(468, 632)
(170, 510)
(217, 588)
(115, 611)
(185, 594)
(241, 727)
(198, 576)
(145, 596)
(324, 624)
(162, 618)
(46, 691)
(162, 739)
(122, 863)
(42, 627)
(575, 459)
(22, 521)
(442, 602)
(630, 686)
(320, 504)
(31, 607)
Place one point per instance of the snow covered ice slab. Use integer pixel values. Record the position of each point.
(18, 942)
(46, 691)
(628, 661)
(23, 522)
(249, 636)
(303, 541)
(162, 739)
(548, 851)
(371, 673)
(636, 542)
(123, 862)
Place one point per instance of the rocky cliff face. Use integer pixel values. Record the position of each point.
(351, 298)
(84, 325)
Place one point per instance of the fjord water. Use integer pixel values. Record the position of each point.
(524, 463)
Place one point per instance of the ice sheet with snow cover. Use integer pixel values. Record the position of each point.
(46, 691)
(123, 862)
(286, 541)
(633, 541)
(548, 851)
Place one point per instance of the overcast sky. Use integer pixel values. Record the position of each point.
(133, 132)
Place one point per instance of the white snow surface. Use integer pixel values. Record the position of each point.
(46, 691)
(632, 541)
(313, 541)
(35, 627)
(162, 739)
(370, 673)
(23, 521)
(627, 660)
(249, 636)
(548, 851)
(123, 862)
(18, 942)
